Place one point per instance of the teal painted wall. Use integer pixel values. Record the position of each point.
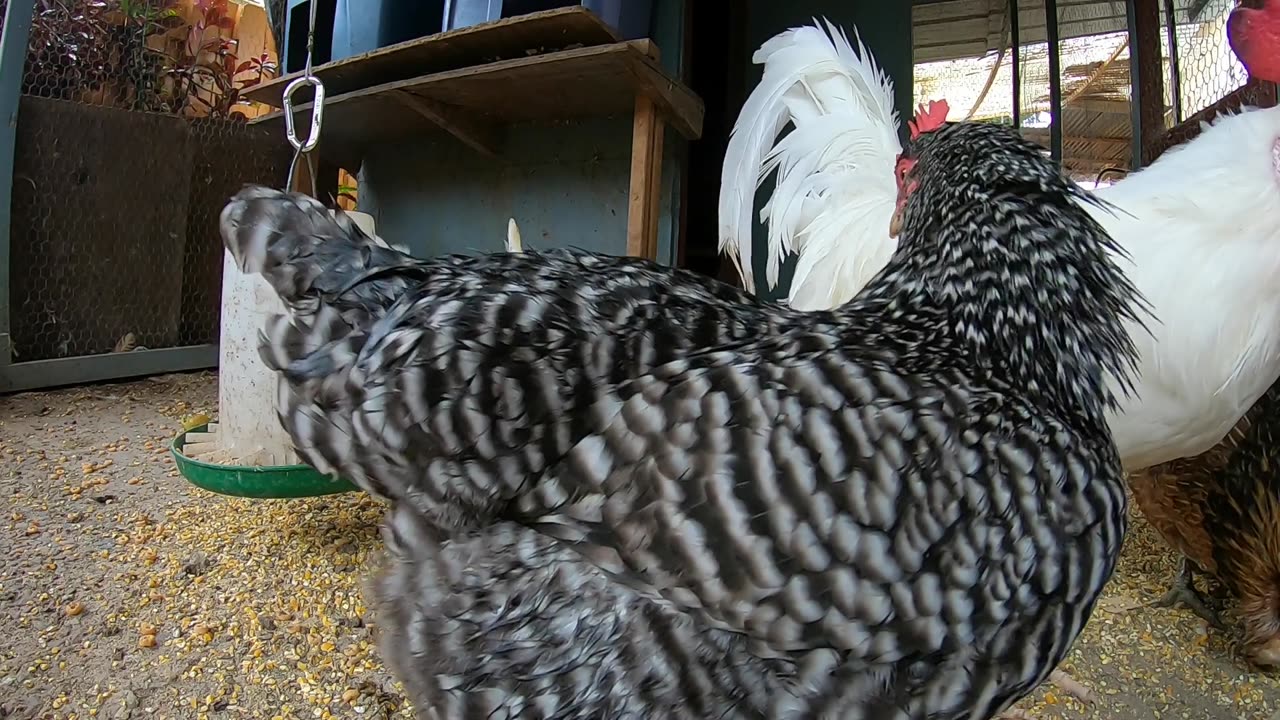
(566, 185)
(885, 28)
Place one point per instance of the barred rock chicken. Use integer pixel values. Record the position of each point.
(623, 491)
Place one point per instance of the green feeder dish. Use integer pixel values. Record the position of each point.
(278, 481)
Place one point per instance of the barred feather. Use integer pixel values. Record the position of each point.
(602, 470)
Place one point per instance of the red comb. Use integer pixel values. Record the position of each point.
(929, 119)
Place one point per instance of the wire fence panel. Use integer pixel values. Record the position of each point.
(1203, 75)
(130, 139)
(1206, 69)
(970, 59)
(972, 64)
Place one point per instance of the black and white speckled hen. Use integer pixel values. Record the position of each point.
(621, 491)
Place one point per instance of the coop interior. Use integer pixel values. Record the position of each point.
(963, 52)
(450, 127)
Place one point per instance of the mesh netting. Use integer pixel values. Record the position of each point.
(130, 138)
(970, 64)
(1207, 69)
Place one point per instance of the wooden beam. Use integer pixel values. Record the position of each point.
(505, 39)
(1149, 81)
(480, 135)
(646, 177)
(1097, 73)
(590, 81)
(1111, 144)
(1002, 43)
(1098, 105)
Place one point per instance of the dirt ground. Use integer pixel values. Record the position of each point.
(126, 592)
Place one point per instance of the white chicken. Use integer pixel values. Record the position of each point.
(1202, 227)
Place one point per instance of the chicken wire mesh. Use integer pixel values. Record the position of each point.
(1093, 71)
(130, 138)
(1206, 69)
(970, 60)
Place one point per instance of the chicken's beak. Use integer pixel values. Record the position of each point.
(895, 223)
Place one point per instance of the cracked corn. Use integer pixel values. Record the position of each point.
(125, 592)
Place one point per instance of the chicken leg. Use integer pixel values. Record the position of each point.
(1184, 592)
(1071, 686)
(1066, 684)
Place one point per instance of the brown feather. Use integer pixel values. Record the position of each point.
(1221, 509)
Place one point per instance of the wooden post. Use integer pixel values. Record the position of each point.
(646, 180)
(1149, 80)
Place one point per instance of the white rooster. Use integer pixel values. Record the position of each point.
(1202, 227)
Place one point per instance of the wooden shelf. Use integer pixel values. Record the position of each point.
(508, 39)
(475, 103)
(475, 82)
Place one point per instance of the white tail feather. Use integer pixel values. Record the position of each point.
(513, 237)
(835, 190)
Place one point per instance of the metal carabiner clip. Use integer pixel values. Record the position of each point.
(317, 113)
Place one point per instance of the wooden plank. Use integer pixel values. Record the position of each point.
(196, 449)
(1107, 144)
(655, 186)
(951, 32)
(478, 134)
(943, 12)
(1098, 105)
(646, 173)
(952, 51)
(586, 82)
(1148, 52)
(510, 38)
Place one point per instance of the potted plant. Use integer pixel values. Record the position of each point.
(205, 76)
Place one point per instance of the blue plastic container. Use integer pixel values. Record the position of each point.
(350, 27)
(361, 26)
(297, 21)
(631, 18)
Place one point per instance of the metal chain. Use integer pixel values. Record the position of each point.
(303, 148)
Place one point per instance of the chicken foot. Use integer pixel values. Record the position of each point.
(1071, 686)
(1066, 684)
(1184, 592)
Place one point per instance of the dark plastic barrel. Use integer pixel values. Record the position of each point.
(631, 18)
(361, 26)
(297, 22)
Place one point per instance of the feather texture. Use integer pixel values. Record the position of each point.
(606, 474)
(1222, 511)
(1200, 229)
(829, 190)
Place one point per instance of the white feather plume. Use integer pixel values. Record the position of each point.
(1200, 227)
(514, 245)
(835, 187)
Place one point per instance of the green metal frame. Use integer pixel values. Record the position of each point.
(37, 374)
(13, 60)
(62, 371)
